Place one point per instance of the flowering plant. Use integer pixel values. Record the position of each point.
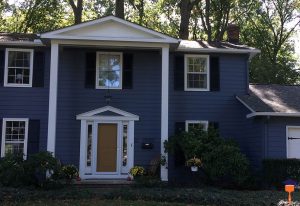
(137, 171)
(194, 162)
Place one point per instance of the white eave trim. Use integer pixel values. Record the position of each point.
(276, 114)
(57, 33)
(246, 105)
(22, 43)
(92, 115)
(221, 50)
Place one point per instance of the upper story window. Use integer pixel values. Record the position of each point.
(109, 70)
(18, 67)
(189, 124)
(196, 73)
(14, 136)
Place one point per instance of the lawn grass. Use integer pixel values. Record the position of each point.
(141, 196)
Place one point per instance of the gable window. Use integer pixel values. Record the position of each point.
(109, 70)
(14, 136)
(18, 67)
(196, 72)
(189, 124)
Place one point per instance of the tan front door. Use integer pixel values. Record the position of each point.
(107, 148)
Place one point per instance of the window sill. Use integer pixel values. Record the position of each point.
(196, 90)
(17, 85)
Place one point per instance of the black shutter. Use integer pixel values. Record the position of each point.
(127, 70)
(214, 74)
(179, 159)
(213, 125)
(90, 70)
(33, 137)
(2, 61)
(179, 73)
(38, 69)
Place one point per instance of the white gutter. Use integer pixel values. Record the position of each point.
(22, 43)
(276, 114)
(253, 52)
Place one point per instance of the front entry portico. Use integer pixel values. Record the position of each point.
(106, 143)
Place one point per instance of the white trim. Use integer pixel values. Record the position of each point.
(90, 115)
(36, 42)
(6, 84)
(53, 98)
(164, 108)
(97, 69)
(246, 105)
(83, 146)
(286, 138)
(187, 122)
(186, 56)
(253, 52)
(57, 33)
(26, 120)
(277, 114)
(110, 44)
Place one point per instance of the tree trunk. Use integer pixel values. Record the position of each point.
(77, 10)
(185, 14)
(120, 9)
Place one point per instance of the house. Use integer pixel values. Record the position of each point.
(105, 94)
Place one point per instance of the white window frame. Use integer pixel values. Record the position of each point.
(6, 84)
(186, 56)
(97, 69)
(187, 122)
(26, 120)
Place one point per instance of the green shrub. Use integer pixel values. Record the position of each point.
(275, 171)
(68, 173)
(222, 159)
(12, 171)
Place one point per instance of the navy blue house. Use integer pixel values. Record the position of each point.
(104, 95)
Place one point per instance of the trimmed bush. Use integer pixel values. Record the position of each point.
(223, 162)
(276, 171)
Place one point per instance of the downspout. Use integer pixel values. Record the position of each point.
(247, 72)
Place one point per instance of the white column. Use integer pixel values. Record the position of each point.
(130, 145)
(83, 148)
(164, 108)
(52, 98)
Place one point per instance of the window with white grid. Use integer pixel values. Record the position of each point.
(195, 124)
(18, 67)
(196, 73)
(14, 136)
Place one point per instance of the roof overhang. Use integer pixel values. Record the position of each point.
(109, 28)
(36, 42)
(275, 114)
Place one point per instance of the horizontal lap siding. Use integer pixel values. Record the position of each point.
(220, 106)
(143, 100)
(276, 135)
(29, 103)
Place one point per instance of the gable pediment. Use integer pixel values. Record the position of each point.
(109, 29)
(107, 113)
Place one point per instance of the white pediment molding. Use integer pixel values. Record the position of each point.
(96, 114)
(109, 28)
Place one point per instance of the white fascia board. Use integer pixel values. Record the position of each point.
(220, 50)
(95, 38)
(246, 105)
(22, 43)
(108, 118)
(118, 44)
(276, 114)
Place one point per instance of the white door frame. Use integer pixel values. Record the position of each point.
(93, 118)
(286, 138)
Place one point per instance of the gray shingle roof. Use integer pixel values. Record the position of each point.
(273, 98)
(17, 37)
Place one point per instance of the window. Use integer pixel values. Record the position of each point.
(124, 146)
(89, 144)
(18, 67)
(109, 70)
(196, 124)
(14, 136)
(196, 77)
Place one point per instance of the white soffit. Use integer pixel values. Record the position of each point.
(109, 28)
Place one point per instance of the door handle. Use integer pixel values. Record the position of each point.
(292, 138)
